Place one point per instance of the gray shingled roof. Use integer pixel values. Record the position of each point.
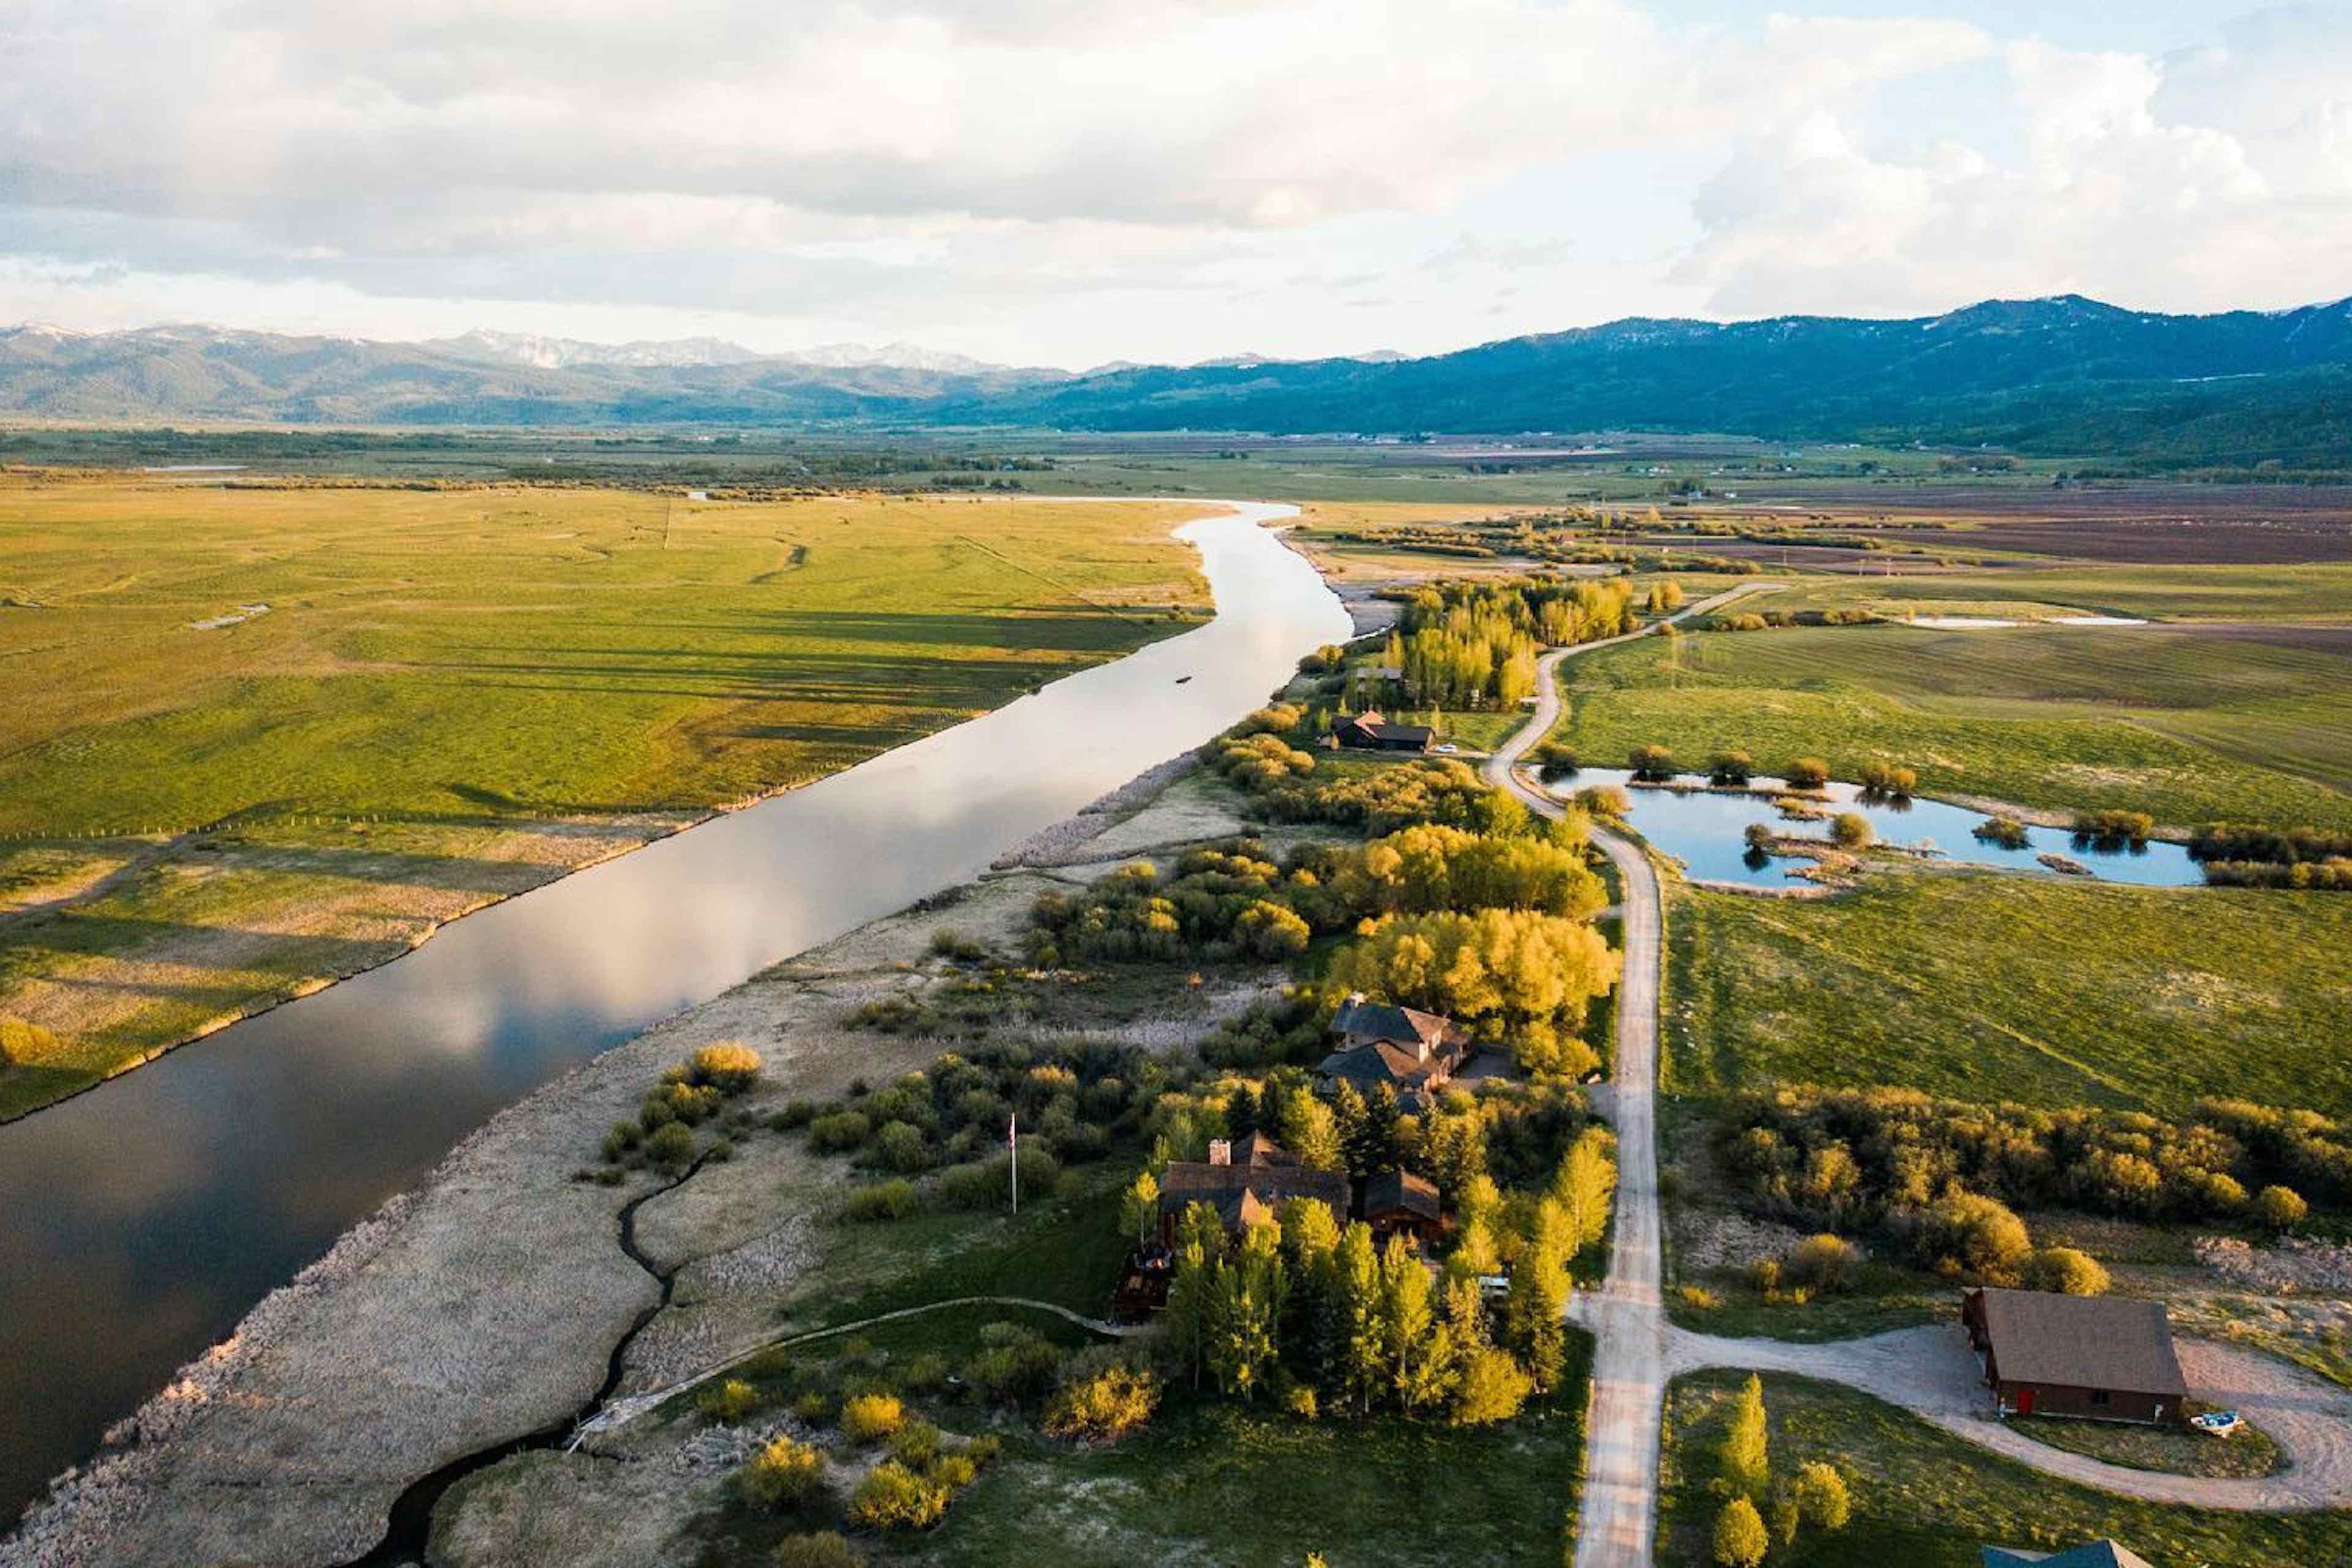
(2083, 1342)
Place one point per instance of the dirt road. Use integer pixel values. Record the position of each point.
(1626, 1315)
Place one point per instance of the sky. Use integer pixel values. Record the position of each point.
(1072, 182)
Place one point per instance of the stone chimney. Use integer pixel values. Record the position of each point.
(1220, 1152)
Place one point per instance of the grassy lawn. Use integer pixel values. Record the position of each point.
(1925, 1499)
(1219, 1484)
(2310, 591)
(1990, 987)
(456, 695)
(2248, 1451)
(2189, 726)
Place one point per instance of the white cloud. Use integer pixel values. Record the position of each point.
(1083, 179)
(2205, 181)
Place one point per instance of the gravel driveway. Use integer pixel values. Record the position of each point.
(1932, 1373)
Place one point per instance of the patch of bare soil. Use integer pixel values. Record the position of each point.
(2292, 1264)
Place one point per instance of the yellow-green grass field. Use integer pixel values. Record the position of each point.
(2316, 593)
(1994, 986)
(2190, 726)
(1924, 1498)
(455, 694)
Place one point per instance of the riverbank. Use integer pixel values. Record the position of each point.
(484, 1304)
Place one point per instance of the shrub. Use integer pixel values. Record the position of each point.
(1884, 778)
(22, 1043)
(620, 1138)
(927, 1371)
(2114, 827)
(2006, 831)
(1103, 1404)
(1851, 830)
(915, 1445)
(870, 1417)
(900, 1146)
(2281, 1209)
(893, 1199)
(825, 1549)
(1822, 1497)
(728, 1066)
(1605, 801)
(893, 1497)
(1808, 773)
(1298, 1399)
(1740, 1539)
(1493, 1387)
(671, 1146)
(782, 1474)
(728, 1400)
(1973, 1236)
(796, 1114)
(837, 1133)
(1731, 768)
(951, 943)
(1012, 1364)
(2067, 1271)
(1653, 763)
(1269, 931)
(1825, 1262)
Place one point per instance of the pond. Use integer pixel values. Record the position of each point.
(141, 1220)
(1706, 829)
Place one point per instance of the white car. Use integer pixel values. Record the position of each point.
(1447, 749)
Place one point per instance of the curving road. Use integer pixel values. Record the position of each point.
(1626, 1315)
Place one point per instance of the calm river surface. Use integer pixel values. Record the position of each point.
(140, 1221)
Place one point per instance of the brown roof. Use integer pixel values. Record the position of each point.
(2082, 1341)
(1359, 1021)
(1394, 1190)
(1241, 1192)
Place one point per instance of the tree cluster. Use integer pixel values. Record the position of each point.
(1757, 1511)
(1505, 975)
(2243, 855)
(1473, 645)
(1935, 1176)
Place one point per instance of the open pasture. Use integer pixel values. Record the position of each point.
(1990, 987)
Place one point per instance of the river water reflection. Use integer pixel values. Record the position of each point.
(140, 1221)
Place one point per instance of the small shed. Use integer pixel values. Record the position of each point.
(2095, 1358)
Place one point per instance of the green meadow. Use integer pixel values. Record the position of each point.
(1990, 986)
(2190, 726)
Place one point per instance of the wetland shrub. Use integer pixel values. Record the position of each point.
(838, 1132)
(893, 1497)
(883, 1201)
(825, 1549)
(870, 1417)
(730, 1400)
(2113, 828)
(730, 1066)
(671, 1147)
(1101, 1398)
(782, 1474)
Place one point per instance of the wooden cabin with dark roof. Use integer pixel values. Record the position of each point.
(1368, 731)
(1413, 1052)
(1247, 1189)
(2096, 1358)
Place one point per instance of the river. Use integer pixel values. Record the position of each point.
(141, 1220)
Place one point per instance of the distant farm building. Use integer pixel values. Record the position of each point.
(1407, 1051)
(2090, 1554)
(1368, 731)
(2091, 1357)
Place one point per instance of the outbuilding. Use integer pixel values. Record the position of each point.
(2096, 1358)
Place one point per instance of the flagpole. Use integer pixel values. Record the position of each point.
(1012, 1149)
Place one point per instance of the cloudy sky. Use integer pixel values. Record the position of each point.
(1074, 181)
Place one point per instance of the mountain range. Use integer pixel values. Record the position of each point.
(2066, 373)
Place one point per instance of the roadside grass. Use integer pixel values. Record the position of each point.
(2044, 992)
(1923, 1496)
(2190, 727)
(2247, 1452)
(1882, 1298)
